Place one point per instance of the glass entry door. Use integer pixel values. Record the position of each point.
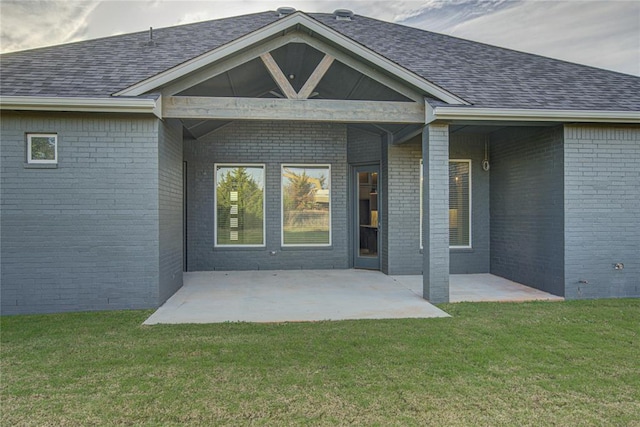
(366, 207)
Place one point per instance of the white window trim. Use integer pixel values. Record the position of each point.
(470, 245)
(41, 135)
(215, 204)
(303, 165)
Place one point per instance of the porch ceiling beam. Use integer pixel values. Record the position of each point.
(315, 77)
(194, 126)
(278, 76)
(371, 128)
(316, 110)
(211, 132)
(383, 130)
(405, 134)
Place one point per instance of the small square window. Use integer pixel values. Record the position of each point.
(42, 148)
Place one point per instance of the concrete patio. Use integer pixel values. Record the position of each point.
(314, 295)
(482, 288)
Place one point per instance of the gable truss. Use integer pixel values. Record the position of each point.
(284, 84)
(297, 20)
(296, 105)
(263, 51)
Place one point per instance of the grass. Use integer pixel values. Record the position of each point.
(572, 363)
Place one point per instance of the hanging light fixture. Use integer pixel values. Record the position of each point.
(485, 163)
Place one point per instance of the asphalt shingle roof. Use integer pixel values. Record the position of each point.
(484, 75)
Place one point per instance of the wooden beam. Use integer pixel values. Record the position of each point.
(315, 77)
(362, 68)
(278, 76)
(314, 110)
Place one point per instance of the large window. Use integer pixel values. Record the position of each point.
(42, 148)
(239, 200)
(459, 203)
(306, 205)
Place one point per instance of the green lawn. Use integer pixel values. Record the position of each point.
(565, 364)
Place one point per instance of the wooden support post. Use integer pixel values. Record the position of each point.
(278, 76)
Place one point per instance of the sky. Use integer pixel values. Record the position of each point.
(600, 33)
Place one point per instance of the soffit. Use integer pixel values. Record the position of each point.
(297, 62)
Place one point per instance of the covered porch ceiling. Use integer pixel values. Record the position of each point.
(297, 61)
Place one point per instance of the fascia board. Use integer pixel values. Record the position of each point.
(273, 29)
(526, 115)
(93, 105)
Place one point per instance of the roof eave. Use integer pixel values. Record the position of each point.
(473, 114)
(275, 28)
(93, 105)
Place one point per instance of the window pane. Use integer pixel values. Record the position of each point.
(306, 200)
(240, 205)
(43, 148)
(459, 209)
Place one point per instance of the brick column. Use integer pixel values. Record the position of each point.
(435, 218)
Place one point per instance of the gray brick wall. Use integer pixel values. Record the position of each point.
(403, 210)
(602, 211)
(83, 236)
(474, 260)
(170, 208)
(271, 143)
(363, 147)
(527, 218)
(435, 220)
(403, 173)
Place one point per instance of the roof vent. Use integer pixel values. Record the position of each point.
(343, 14)
(151, 42)
(284, 11)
